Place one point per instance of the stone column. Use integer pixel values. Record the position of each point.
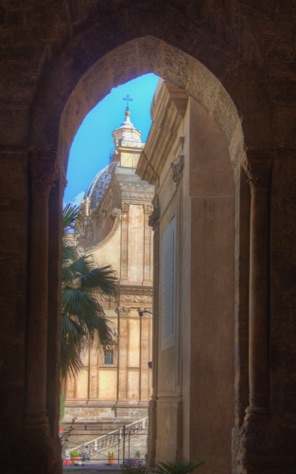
(253, 445)
(122, 383)
(148, 264)
(43, 174)
(152, 429)
(124, 243)
(54, 316)
(258, 168)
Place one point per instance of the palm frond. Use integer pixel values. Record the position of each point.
(82, 315)
(68, 253)
(76, 302)
(71, 345)
(105, 334)
(70, 216)
(101, 277)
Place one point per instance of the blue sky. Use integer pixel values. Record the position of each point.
(93, 143)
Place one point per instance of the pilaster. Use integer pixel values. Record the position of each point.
(122, 383)
(54, 317)
(258, 168)
(43, 174)
(152, 410)
(251, 438)
(124, 243)
(148, 246)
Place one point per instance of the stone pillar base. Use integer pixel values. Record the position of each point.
(35, 451)
(151, 454)
(265, 444)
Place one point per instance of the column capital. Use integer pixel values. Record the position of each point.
(115, 213)
(154, 218)
(148, 208)
(44, 171)
(122, 310)
(125, 207)
(257, 165)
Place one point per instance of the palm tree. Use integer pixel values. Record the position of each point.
(82, 315)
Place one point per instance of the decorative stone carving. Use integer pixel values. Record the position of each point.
(177, 169)
(136, 298)
(133, 191)
(123, 311)
(258, 166)
(148, 208)
(154, 217)
(125, 207)
(116, 212)
(136, 290)
(44, 172)
(144, 310)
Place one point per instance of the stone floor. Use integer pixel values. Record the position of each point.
(102, 468)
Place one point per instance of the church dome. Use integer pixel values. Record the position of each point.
(127, 134)
(99, 185)
(124, 136)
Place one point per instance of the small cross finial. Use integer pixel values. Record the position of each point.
(128, 99)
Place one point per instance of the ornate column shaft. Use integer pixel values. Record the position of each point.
(43, 174)
(258, 168)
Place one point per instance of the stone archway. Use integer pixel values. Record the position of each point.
(47, 48)
(152, 55)
(184, 72)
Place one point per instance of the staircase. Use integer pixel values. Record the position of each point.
(124, 441)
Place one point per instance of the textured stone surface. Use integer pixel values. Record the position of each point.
(237, 58)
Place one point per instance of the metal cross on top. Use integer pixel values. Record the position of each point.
(128, 99)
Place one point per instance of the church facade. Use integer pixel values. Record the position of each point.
(115, 381)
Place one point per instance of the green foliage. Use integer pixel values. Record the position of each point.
(137, 454)
(131, 467)
(180, 466)
(74, 454)
(70, 216)
(110, 454)
(67, 433)
(82, 315)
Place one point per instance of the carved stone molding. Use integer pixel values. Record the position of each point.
(133, 191)
(177, 169)
(135, 290)
(144, 310)
(148, 208)
(154, 218)
(116, 212)
(44, 171)
(136, 298)
(258, 167)
(123, 311)
(125, 207)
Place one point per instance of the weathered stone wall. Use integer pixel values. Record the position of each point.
(49, 48)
